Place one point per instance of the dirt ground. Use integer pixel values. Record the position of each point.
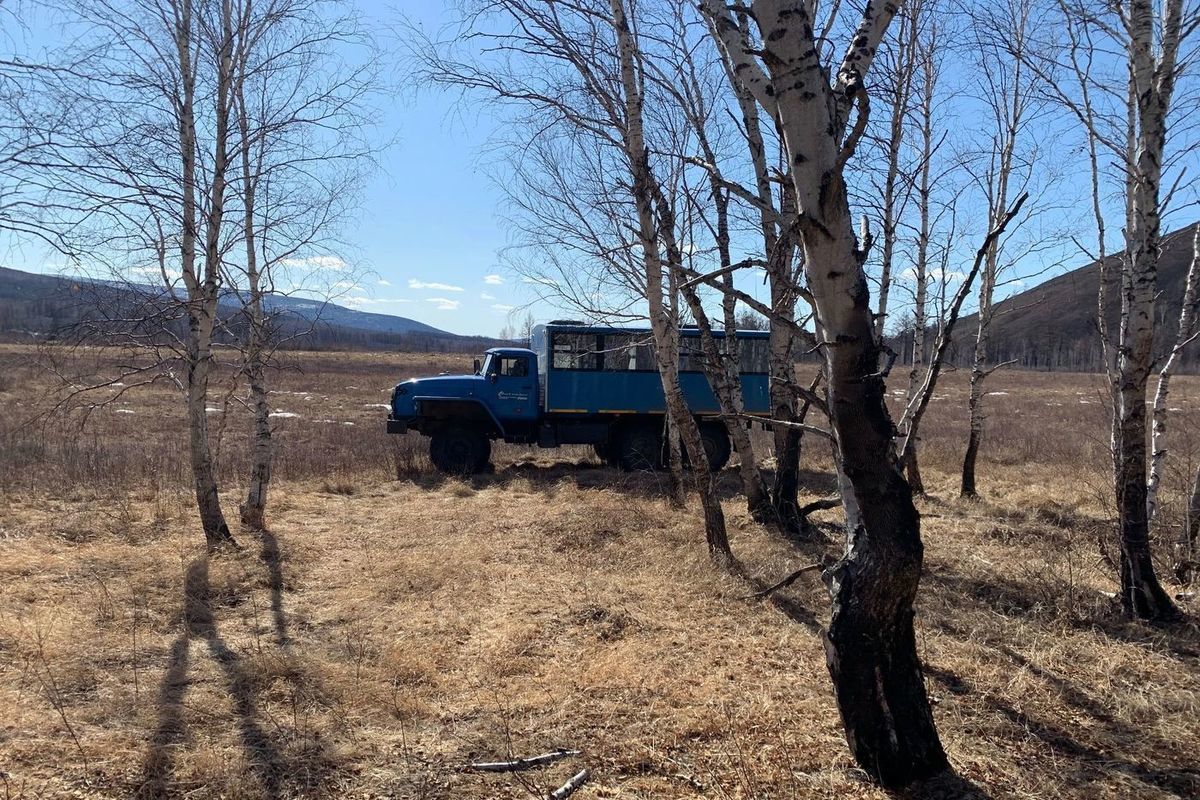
(393, 626)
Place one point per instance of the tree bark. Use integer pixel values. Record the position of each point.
(253, 511)
(1186, 331)
(202, 292)
(870, 644)
(666, 335)
(1142, 595)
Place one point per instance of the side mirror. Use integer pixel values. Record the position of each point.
(493, 377)
(477, 366)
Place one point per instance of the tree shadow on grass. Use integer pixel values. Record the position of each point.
(1110, 747)
(1094, 761)
(263, 752)
(198, 623)
(273, 561)
(1018, 599)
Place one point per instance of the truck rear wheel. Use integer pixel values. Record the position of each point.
(606, 453)
(640, 449)
(715, 438)
(459, 451)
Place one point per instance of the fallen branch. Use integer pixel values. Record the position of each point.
(788, 424)
(783, 584)
(521, 764)
(821, 505)
(568, 788)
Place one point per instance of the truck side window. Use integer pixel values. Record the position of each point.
(510, 367)
(691, 356)
(575, 351)
(627, 352)
(754, 355)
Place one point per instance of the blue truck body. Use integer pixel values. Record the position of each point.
(575, 384)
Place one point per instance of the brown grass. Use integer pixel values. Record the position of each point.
(387, 630)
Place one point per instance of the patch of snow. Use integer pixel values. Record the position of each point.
(124, 411)
(283, 414)
(998, 394)
(1085, 402)
(376, 405)
(1174, 409)
(347, 423)
(211, 410)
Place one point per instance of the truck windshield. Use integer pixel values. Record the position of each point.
(487, 364)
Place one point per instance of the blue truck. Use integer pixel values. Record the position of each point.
(574, 384)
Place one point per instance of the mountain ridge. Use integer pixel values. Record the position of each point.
(36, 306)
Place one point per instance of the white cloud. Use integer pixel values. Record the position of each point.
(371, 301)
(503, 309)
(493, 280)
(156, 273)
(316, 262)
(909, 275)
(413, 283)
(943, 276)
(384, 282)
(444, 304)
(486, 296)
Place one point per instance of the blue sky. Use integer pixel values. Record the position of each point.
(428, 233)
(428, 237)
(429, 228)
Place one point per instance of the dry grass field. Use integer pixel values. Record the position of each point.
(393, 626)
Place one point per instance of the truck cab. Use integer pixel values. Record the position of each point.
(461, 414)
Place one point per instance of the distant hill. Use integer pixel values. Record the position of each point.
(36, 307)
(1053, 325)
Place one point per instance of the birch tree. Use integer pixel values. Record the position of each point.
(870, 643)
(299, 118)
(140, 163)
(1012, 98)
(1152, 45)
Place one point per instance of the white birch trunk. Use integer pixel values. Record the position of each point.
(1152, 82)
(870, 643)
(666, 335)
(1158, 430)
(203, 290)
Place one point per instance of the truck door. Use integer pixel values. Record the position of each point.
(513, 382)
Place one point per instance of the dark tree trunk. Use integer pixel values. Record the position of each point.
(1142, 596)
(967, 488)
(870, 645)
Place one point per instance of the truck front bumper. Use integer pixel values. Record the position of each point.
(397, 425)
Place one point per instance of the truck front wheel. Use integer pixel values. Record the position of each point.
(459, 451)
